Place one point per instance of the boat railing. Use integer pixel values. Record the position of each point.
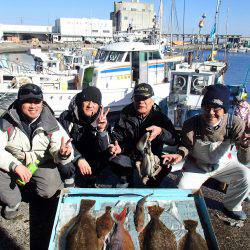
(14, 68)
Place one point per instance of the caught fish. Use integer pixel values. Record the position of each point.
(121, 239)
(156, 235)
(104, 223)
(139, 215)
(149, 166)
(83, 234)
(192, 240)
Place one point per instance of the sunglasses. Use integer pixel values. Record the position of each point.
(33, 90)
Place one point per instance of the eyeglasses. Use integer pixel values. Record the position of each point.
(208, 109)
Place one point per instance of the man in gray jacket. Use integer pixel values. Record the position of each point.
(30, 132)
(206, 145)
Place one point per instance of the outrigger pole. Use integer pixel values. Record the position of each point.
(214, 30)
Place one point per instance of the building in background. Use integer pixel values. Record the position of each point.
(82, 29)
(65, 29)
(132, 15)
(17, 32)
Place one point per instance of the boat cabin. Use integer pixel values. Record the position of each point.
(118, 67)
(187, 86)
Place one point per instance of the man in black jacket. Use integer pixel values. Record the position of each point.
(86, 122)
(139, 117)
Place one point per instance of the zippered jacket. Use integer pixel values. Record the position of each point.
(130, 128)
(88, 142)
(43, 144)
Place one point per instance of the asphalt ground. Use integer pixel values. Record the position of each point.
(32, 228)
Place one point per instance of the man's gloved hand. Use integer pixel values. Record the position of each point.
(23, 172)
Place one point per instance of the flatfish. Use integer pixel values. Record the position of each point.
(192, 240)
(139, 215)
(104, 223)
(149, 165)
(83, 234)
(156, 235)
(120, 239)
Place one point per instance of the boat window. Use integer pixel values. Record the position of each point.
(198, 83)
(115, 56)
(127, 58)
(68, 59)
(101, 55)
(154, 55)
(180, 84)
(77, 60)
(143, 56)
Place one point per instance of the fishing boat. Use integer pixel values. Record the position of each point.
(117, 68)
(188, 82)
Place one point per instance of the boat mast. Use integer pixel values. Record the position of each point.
(171, 23)
(161, 18)
(216, 17)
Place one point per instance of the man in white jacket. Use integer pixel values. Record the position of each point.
(30, 132)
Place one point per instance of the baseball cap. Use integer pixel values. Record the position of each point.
(143, 91)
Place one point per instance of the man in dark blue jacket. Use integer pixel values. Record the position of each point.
(136, 119)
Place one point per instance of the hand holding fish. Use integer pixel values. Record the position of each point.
(154, 132)
(84, 167)
(65, 148)
(102, 119)
(115, 149)
(170, 159)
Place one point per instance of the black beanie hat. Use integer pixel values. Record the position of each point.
(29, 91)
(93, 94)
(217, 95)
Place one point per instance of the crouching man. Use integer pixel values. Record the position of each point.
(206, 147)
(139, 135)
(30, 132)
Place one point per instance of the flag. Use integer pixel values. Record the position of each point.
(212, 33)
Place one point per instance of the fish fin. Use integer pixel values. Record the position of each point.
(121, 216)
(190, 225)
(108, 208)
(86, 205)
(155, 211)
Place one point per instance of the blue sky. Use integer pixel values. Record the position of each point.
(44, 12)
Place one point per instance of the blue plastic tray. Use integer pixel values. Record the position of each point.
(179, 205)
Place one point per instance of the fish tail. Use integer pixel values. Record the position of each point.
(190, 225)
(86, 205)
(121, 216)
(155, 211)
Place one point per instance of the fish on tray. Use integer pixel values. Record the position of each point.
(139, 215)
(83, 234)
(156, 235)
(104, 223)
(192, 240)
(120, 238)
